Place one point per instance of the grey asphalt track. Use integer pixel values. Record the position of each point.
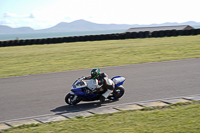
(41, 94)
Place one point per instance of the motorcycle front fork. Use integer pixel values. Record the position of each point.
(75, 97)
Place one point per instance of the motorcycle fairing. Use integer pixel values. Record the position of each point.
(84, 95)
(118, 80)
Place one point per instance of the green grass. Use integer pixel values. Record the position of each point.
(177, 118)
(36, 59)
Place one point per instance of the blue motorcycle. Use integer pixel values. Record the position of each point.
(81, 92)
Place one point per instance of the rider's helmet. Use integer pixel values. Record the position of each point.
(95, 73)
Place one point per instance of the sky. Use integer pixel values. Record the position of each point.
(40, 14)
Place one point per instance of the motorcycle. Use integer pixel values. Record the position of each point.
(80, 91)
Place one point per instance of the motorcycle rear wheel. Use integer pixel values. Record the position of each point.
(69, 99)
(117, 93)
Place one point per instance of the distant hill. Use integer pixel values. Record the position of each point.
(8, 30)
(82, 25)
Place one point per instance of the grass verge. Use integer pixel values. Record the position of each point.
(36, 59)
(180, 117)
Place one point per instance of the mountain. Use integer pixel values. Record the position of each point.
(8, 30)
(82, 25)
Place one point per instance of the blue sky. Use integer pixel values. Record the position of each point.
(40, 14)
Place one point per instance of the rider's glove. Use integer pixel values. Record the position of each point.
(86, 78)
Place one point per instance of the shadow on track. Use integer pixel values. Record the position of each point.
(80, 107)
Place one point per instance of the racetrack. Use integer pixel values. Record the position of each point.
(41, 94)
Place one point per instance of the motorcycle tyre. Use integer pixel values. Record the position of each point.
(69, 97)
(122, 90)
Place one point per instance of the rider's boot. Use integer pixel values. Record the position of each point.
(105, 95)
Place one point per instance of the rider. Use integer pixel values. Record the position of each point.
(103, 81)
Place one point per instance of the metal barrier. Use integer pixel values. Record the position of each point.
(127, 35)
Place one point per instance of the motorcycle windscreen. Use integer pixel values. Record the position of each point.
(118, 80)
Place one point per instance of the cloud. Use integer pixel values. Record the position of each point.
(12, 15)
(8, 15)
(5, 22)
(28, 20)
(67, 18)
(25, 22)
(31, 15)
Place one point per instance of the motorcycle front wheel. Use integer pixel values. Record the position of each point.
(69, 99)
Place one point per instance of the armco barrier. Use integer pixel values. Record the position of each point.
(9, 43)
(100, 37)
(154, 34)
(168, 33)
(77, 39)
(47, 40)
(114, 36)
(63, 39)
(161, 33)
(173, 33)
(193, 32)
(44, 41)
(3, 43)
(186, 32)
(86, 38)
(117, 36)
(55, 40)
(97, 37)
(28, 42)
(17, 43)
(121, 36)
(143, 34)
(70, 39)
(105, 37)
(91, 38)
(109, 36)
(60, 40)
(147, 34)
(52, 41)
(81, 38)
(32, 41)
(197, 31)
(180, 32)
(127, 35)
(134, 35)
(38, 41)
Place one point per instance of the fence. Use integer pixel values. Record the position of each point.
(127, 35)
